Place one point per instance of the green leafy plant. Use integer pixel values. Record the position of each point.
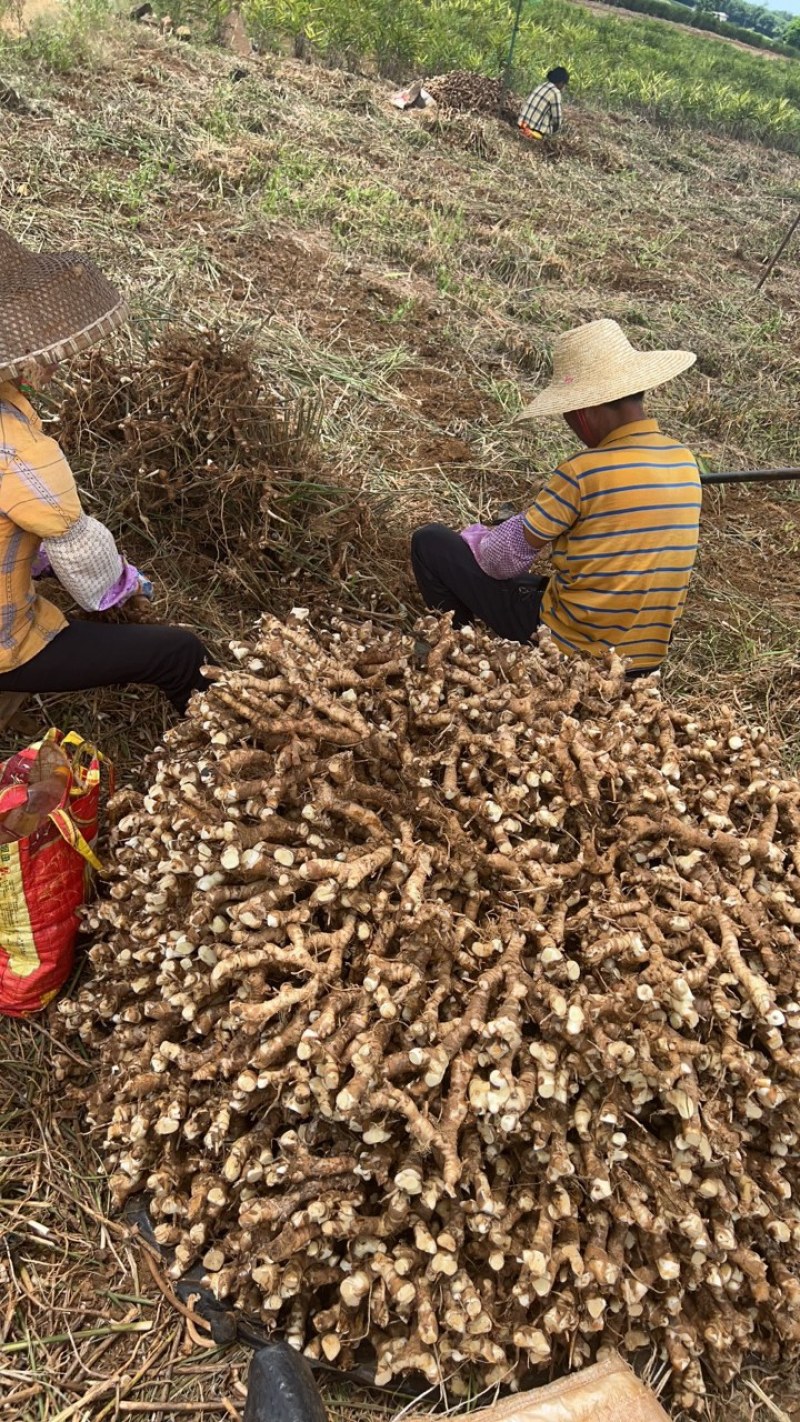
(643, 65)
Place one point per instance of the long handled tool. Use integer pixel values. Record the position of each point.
(750, 476)
(781, 249)
(281, 1388)
(732, 476)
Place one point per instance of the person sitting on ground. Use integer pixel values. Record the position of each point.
(541, 114)
(622, 518)
(51, 307)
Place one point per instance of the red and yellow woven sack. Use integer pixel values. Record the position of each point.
(45, 875)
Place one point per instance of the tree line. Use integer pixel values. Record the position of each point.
(774, 24)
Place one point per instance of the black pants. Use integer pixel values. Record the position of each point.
(450, 580)
(89, 654)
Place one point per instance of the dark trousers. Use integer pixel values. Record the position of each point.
(450, 580)
(89, 654)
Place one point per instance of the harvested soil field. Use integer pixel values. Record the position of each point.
(395, 283)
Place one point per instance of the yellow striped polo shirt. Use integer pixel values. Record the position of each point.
(624, 520)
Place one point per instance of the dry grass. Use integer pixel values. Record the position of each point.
(84, 1330)
(404, 281)
(189, 448)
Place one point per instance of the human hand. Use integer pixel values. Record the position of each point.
(474, 535)
(138, 607)
(132, 599)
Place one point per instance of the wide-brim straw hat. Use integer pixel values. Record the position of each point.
(596, 363)
(52, 305)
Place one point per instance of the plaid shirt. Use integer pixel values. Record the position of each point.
(38, 499)
(542, 110)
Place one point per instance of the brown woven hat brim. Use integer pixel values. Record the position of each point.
(52, 305)
(644, 370)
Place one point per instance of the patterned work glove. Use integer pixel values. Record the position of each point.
(474, 535)
(502, 552)
(41, 567)
(131, 583)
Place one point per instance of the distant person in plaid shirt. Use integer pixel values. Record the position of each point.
(541, 114)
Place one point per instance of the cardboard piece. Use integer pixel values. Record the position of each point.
(607, 1392)
(414, 97)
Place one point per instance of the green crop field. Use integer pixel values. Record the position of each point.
(649, 66)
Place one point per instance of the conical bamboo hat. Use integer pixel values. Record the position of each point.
(52, 305)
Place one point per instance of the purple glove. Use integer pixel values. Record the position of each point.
(131, 583)
(502, 552)
(40, 568)
(474, 536)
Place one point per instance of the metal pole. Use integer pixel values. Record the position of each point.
(734, 476)
(784, 244)
(751, 476)
(506, 80)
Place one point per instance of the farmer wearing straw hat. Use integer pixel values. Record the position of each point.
(622, 517)
(51, 307)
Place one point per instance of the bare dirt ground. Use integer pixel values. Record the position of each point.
(406, 277)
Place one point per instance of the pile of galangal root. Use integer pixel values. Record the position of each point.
(447, 996)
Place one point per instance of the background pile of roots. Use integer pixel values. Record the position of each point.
(447, 996)
(188, 431)
(476, 93)
(198, 465)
